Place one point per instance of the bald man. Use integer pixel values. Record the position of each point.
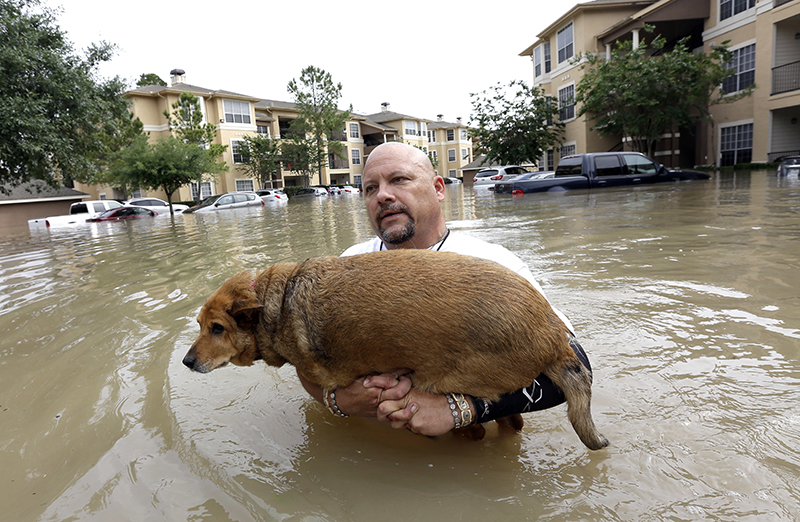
(403, 196)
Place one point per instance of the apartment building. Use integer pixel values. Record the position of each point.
(236, 116)
(448, 143)
(763, 35)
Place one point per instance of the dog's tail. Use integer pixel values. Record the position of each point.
(575, 380)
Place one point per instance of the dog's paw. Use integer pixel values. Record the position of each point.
(514, 422)
(472, 432)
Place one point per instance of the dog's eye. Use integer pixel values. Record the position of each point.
(217, 329)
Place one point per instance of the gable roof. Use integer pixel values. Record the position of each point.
(38, 191)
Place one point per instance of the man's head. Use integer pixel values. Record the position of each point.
(403, 196)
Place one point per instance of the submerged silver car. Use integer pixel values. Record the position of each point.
(227, 201)
(790, 166)
(488, 177)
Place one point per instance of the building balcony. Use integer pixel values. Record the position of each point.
(786, 78)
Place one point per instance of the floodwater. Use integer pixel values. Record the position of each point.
(685, 296)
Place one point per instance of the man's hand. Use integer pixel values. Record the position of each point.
(361, 397)
(420, 412)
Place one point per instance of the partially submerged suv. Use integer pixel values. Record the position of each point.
(493, 175)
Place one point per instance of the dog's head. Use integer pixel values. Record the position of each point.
(228, 322)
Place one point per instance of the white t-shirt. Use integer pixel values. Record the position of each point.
(470, 246)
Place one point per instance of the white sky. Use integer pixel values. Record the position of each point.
(423, 57)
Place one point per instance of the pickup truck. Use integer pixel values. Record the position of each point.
(78, 213)
(600, 170)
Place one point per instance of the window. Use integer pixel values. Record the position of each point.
(547, 57)
(410, 128)
(354, 133)
(639, 165)
(236, 152)
(205, 190)
(136, 193)
(744, 69)
(263, 129)
(236, 111)
(728, 8)
(736, 144)
(451, 173)
(356, 156)
(567, 150)
(537, 62)
(465, 154)
(565, 44)
(464, 135)
(566, 103)
(431, 136)
(550, 161)
(451, 134)
(607, 166)
(243, 185)
(451, 154)
(434, 157)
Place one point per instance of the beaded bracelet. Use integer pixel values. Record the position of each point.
(329, 398)
(459, 407)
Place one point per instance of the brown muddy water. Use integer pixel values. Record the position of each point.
(686, 298)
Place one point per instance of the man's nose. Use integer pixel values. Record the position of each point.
(385, 193)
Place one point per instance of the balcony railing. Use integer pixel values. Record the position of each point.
(786, 78)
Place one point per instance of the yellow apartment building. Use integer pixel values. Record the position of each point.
(448, 143)
(236, 116)
(763, 35)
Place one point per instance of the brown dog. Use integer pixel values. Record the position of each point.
(461, 324)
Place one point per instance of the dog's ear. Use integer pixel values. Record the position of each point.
(245, 314)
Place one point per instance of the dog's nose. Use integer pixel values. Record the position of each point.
(189, 361)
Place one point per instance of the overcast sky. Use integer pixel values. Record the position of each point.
(423, 57)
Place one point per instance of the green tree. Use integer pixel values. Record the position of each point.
(167, 164)
(643, 93)
(514, 124)
(318, 121)
(261, 157)
(55, 108)
(186, 123)
(150, 79)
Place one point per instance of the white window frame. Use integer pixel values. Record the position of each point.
(355, 133)
(451, 135)
(464, 154)
(234, 152)
(206, 190)
(744, 61)
(244, 184)
(568, 149)
(748, 4)
(562, 106)
(451, 173)
(431, 136)
(434, 155)
(409, 128)
(565, 41)
(234, 109)
(737, 129)
(464, 135)
(537, 61)
(355, 157)
(451, 155)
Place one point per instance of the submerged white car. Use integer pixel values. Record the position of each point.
(159, 206)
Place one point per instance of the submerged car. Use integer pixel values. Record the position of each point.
(790, 166)
(122, 213)
(601, 170)
(310, 192)
(272, 195)
(159, 206)
(227, 201)
(488, 177)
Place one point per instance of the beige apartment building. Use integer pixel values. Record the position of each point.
(236, 116)
(447, 143)
(763, 35)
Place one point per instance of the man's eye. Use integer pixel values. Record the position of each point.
(217, 329)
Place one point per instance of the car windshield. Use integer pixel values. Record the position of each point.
(107, 213)
(792, 161)
(486, 173)
(208, 201)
